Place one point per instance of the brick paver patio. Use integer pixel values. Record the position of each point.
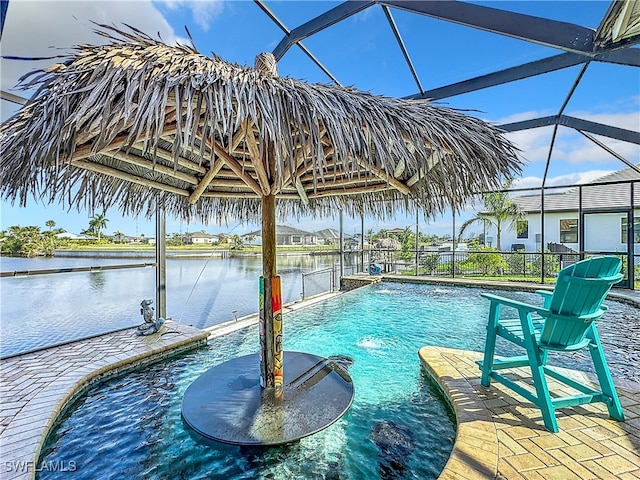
(500, 435)
(35, 387)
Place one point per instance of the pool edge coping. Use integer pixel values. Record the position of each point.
(115, 369)
(114, 366)
(456, 389)
(615, 294)
(475, 449)
(76, 387)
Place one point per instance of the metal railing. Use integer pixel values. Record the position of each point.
(92, 268)
(325, 279)
(526, 266)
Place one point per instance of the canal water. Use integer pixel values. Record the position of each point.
(44, 310)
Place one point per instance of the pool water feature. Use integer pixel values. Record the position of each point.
(130, 427)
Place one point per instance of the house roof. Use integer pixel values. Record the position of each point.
(282, 230)
(73, 236)
(203, 235)
(599, 194)
(331, 233)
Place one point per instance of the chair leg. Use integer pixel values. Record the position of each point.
(542, 391)
(604, 375)
(537, 359)
(490, 344)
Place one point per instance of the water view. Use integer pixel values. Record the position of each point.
(43, 310)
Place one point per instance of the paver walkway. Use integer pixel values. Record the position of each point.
(35, 387)
(500, 435)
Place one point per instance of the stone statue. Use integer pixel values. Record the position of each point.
(150, 325)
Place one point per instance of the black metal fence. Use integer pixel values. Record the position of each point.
(537, 267)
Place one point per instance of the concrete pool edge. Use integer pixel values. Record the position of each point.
(62, 374)
(630, 297)
(500, 436)
(32, 406)
(461, 387)
(475, 450)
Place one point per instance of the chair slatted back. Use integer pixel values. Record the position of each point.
(580, 290)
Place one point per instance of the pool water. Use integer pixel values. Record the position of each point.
(130, 427)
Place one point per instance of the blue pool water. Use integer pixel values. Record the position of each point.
(130, 427)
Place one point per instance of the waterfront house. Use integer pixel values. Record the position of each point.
(202, 238)
(331, 236)
(396, 232)
(73, 236)
(593, 218)
(285, 235)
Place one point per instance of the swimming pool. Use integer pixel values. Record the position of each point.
(130, 427)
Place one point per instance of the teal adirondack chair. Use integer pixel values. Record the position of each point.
(565, 323)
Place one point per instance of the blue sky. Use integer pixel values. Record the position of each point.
(359, 52)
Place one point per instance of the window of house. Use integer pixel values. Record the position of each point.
(569, 230)
(636, 230)
(522, 228)
(296, 239)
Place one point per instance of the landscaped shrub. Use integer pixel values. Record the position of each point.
(485, 261)
(430, 262)
(551, 265)
(517, 263)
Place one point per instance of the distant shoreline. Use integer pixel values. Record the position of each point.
(139, 251)
(179, 253)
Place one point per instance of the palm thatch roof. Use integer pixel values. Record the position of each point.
(137, 124)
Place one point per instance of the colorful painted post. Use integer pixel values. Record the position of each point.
(278, 351)
(263, 373)
(268, 274)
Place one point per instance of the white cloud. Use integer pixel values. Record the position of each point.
(49, 28)
(628, 120)
(565, 179)
(572, 147)
(533, 143)
(522, 116)
(203, 12)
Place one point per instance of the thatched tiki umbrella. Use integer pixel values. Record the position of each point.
(139, 124)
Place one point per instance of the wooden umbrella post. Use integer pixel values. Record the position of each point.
(271, 351)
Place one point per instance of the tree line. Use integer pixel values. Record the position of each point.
(32, 241)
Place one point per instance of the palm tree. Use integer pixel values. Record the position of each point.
(250, 239)
(97, 224)
(50, 224)
(499, 208)
(236, 242)
(369, 236)
(118, 235)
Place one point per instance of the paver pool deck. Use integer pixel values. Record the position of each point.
(36, 387)
(499, 436)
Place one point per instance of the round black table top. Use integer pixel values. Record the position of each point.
(226, 403)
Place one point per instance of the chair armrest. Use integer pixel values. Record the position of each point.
(520, 306)
(545, 293)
